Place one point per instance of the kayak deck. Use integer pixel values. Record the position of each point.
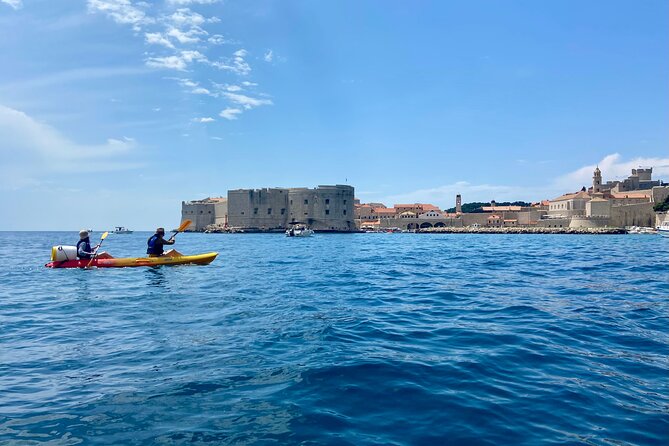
(127, 262)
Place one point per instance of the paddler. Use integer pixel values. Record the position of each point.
(156, 243)
(84, 250)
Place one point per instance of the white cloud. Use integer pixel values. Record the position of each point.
(613, 167)
(204, 120)
(216, 138)
(168, 62)
(217, 39)
(200, 90)
(158, 39)
(184, 82)
(179, 62)
(186, 37)
(237, 64)
(121, 11)
(185, 17)
(249, 84)
(269, 55)
(30, 148)
(16, 4)
(246, 101)
(192, 2)
(230, 113)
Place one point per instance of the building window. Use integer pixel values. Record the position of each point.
(291, 202)
(344, 211)
(255, 211)
(344, 201)
(242, 212)
(306, 213)
(306, 201)
(210, 212)
(327, 212)
(327, 201)
(269, 211)
(283, 211)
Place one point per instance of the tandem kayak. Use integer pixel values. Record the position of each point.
(197, 259)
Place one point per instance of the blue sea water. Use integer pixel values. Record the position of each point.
(349, 339)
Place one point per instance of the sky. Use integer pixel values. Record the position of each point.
(114, 111)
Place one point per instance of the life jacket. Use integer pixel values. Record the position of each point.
(153, 246)
(87, 247)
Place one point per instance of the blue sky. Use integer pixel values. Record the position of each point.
(113, 111)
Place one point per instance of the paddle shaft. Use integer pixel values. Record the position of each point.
(102, 239)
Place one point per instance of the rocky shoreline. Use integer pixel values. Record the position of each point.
(522, 230)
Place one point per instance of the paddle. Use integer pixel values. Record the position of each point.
(102, 239)
(182, 227)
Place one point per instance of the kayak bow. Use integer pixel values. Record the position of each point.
(197, 259)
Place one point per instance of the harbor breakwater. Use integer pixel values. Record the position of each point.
(523, 230)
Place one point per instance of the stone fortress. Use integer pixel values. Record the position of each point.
(323, 209)
(612, 204)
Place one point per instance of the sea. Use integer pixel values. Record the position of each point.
(339, 339)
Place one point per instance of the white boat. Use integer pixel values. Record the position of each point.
(121, 230)
(299, 230)
(641, 230)
(663, 228)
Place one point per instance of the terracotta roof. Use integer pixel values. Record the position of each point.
(384, 211)
(572, 196)
(598, 199)
(430, 207)
(622, 195)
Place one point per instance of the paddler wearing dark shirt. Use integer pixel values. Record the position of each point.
(156, 243)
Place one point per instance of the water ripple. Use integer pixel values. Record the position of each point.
(350, 340)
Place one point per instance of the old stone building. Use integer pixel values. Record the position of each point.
(209, 211)
(325, 208)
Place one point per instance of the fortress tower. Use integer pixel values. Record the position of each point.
(597, 181)
(458, 204)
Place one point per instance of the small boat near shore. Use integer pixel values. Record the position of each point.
(299, 230)
(121, 230)
(663, 228)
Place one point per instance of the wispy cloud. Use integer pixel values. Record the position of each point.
(178, 39)
(204, 120)
(178, 62)
(269, 55)
(246, 101)
(31, 148)
(613, 167)
(237, 64)
(192, 2)
(16, 4)
(230, 113)
(158, 39)
(121, 11)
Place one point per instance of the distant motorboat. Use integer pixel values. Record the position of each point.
(299, 230)
(121, 230)
(641, 230)
(663, 228)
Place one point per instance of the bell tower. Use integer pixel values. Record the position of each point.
(597, 181)
(458, 204)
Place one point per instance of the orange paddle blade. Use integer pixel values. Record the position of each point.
(184, 224)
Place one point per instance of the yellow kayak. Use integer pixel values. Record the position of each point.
(197, 259)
